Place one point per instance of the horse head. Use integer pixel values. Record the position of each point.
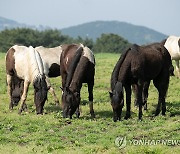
(40, 93)
(117, 101)
(70, 102)
(17, 90)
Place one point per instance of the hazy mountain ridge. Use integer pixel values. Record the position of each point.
(10, 24)
(133, 33)
(93, 30)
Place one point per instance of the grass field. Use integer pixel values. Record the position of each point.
(50, 133)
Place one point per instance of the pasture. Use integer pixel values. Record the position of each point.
(50, 133)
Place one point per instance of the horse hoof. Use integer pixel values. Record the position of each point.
(164, 114)
(140, 119)
(115, 120)
(57, 104)
(127, 117)
(136, 105)
(10, 108)
(19, 112)
(24, 107)
(92, 115)
(77, 115)
(157, 112)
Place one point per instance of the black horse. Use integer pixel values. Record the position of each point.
(77, 66)
(138, 66)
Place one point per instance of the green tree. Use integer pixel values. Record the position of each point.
(27, 37)
(87, 42)
(111, 43)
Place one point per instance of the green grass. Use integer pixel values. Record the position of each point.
(50, 133)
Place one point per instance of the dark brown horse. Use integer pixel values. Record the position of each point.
(139, 65)
(77, 66)
(147, 83)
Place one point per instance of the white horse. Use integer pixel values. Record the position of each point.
(172, 44)
(24, 66)
(51, 65)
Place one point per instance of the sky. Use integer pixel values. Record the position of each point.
(160, 15)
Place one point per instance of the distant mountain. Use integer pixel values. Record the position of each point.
(10, 24)
(134, 34)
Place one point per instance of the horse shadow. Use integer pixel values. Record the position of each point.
(103, 114)
(171, 107)
(52, 108)
(84, 102)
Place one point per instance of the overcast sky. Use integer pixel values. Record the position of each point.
(160, 15)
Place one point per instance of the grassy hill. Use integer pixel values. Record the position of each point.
(132, 33)
(50, 133)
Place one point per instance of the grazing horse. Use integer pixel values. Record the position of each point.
(172, 44)
(146, 85)
(51, 64)
(24, 66)
(77, 66)
(139, 65)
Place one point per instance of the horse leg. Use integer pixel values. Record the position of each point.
(177, 68)
(51, 90)
(140, 85)
(9, 90)
(162, 88)
(77, 112)
(24, 96)
(134, 88)
(128, 101)
(90, 91)
(145, 94)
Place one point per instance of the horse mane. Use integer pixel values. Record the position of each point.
(114, 77)
(73, 65)
(67, 47)
(163, 41)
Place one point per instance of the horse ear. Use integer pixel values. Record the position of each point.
(110, 94)
(48, 87)
(68, 90)
(77, 94)
(61, 88)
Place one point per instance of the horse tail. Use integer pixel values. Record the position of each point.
(73, 65)
(115, 73)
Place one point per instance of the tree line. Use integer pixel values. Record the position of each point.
(111, 43)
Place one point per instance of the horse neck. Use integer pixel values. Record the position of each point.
(78, 76)
(115, 73)
(73, 66)
(36, 65)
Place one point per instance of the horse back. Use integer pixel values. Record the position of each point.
(15, 59)
(10, 62)
(77, 62)
(172, 44)
(51, 60)
(145, 62)
(68, 52)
